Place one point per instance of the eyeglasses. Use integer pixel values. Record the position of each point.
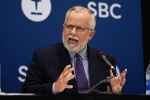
(79, 29)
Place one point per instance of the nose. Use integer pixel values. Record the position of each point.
(73, 31)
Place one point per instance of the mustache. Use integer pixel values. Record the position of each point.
(73, 37)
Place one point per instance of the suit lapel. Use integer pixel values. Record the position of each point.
(64, 59)
(93, 66)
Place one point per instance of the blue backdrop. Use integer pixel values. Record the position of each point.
(24, 28)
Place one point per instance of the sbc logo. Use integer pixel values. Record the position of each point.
(36, 10)
(103, 9)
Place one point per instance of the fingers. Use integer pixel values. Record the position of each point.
(111, 73)
(118, 82)
(123, 82)
(125, 71)
(66, 71)
(63, 79)
(69, 86)
(123, 74)
(68, 77)
(66, 68)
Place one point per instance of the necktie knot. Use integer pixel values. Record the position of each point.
(77, 56)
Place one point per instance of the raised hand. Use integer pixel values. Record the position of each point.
(117, 82)
(63, 79)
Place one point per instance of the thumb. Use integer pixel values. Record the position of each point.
(111, 73)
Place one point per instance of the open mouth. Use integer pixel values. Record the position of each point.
(72, 40)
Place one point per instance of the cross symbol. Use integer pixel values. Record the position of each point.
(36, 1)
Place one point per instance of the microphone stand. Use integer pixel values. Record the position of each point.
(102, 56)
(108, 79)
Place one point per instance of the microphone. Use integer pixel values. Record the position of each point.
(101, 55)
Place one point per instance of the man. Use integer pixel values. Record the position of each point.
(72, 66)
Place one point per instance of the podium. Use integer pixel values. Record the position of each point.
(75, 97)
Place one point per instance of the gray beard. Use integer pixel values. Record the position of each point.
(71, 47)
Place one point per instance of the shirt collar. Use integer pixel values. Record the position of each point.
(83, 54)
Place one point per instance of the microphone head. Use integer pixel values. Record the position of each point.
(100, 55)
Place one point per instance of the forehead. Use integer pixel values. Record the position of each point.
(80, 18)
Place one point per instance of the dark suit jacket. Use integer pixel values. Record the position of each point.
(48, 63)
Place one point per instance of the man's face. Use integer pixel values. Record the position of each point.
(73, 40)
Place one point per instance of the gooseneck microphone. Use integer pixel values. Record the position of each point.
(101, 55)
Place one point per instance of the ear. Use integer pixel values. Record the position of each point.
(63, 26)
(92, 33)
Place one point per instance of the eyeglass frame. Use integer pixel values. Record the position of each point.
(78, 26)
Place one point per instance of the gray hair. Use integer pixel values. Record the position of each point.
(80, 8)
